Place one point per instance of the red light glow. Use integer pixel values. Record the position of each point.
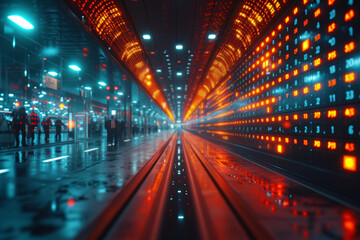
(349, 163)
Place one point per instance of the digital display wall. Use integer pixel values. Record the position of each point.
(296, 92)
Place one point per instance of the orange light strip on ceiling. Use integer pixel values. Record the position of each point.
(252, 17)
(108, 22)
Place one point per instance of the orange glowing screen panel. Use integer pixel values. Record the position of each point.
(296, 86)
(251, 18)
(110, 24)
(349, 163)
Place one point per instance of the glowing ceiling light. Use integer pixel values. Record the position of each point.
(146, 36)
(158, 70)
(178, 88)
(87, 88)
(102, 84)
(52, 73)
(22, 22)
(211, 36)
(179, 74)
(75, 68)
(179, 47)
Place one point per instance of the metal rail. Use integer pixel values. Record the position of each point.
(246, 217)
(98, 227)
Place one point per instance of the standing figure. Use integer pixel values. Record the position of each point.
(107, 127)
(3, 123)
(46, 126)
(122, 129)
(34, 122)
(113, 133)
(58, 124)
(20, 120)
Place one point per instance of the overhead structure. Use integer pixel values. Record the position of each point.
(250, 17)
(108, 21)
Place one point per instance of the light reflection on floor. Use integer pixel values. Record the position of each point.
(54, 199)
(287, 209)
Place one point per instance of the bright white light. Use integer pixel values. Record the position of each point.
(113, 112)
(92, 149)
(120, 93)
(75, 68)
(55, 159)
(179, 74)
(211, 36)
(22, 22)
(146, 36)
(87, 88)
(11, 94)
(180, 217)
(158, 70)
(102, 83)
(127, 140)
(3, 171)
(54, 74)
(178, 88)
(179, 47)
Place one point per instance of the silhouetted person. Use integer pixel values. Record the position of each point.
(34, 122)
(122, 129)
(133, 130)
(46, 126)
(20, 120)
(3, 123)
(107, 127)
(58, 125)
(113, 133)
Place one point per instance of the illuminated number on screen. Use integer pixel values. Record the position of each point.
(318, 25)
(351, 31)
(349, 95)
(295, 21)
(332, 14)
(296, 41)
(351, 129)
(349, 63)
(296, 105)
(317, 101)
(317, 49)
(332, 98)
(332, 41)
(305, 103)
(305, 57)
(332, 69)
(305, 129)
(317, 129)
(332, 129)
(295, 129)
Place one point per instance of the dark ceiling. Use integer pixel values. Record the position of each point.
(186, 22)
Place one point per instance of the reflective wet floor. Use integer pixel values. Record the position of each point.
(287, 209)
(53, 192)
